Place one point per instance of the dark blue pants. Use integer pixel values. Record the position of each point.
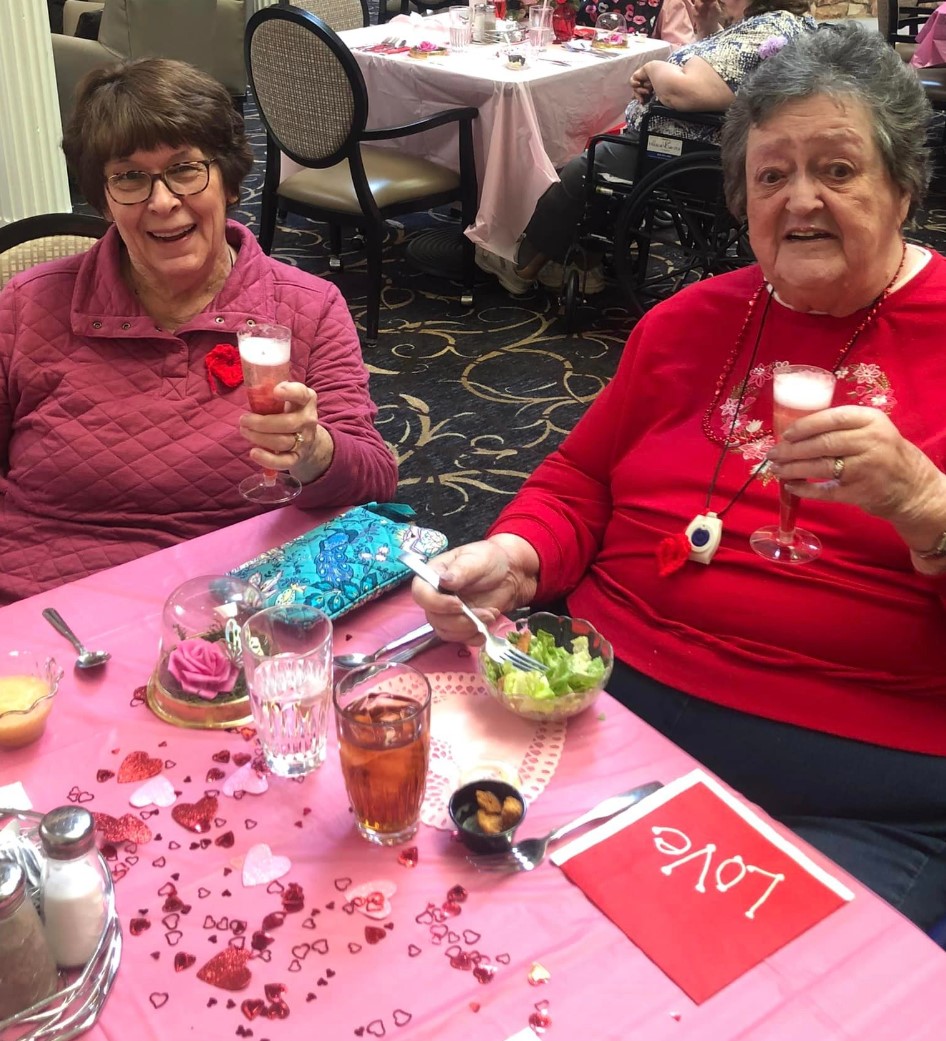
(878, 812)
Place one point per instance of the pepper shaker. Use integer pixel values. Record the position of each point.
(74, 886)
(27, 969)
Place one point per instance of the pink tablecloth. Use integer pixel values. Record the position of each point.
(931, 41)
(862, 973)
(531, 121)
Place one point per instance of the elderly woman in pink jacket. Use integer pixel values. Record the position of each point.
(123, 425)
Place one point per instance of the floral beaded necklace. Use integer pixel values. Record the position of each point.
(704, 533)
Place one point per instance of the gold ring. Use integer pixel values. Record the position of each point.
(838, 469)
(298, 439)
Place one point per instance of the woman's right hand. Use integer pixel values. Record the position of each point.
(640, 84)
(706, 16)
(493, 576)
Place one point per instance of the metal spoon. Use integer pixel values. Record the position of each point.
(87, 659)
(401, 649)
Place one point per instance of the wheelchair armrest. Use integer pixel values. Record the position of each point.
(708, 119)
(449, 115)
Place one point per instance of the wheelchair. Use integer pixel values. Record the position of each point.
(663, 229)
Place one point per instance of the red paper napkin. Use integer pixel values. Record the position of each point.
(702, 884)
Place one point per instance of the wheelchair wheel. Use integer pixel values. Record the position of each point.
(571, 298)
(674, 229)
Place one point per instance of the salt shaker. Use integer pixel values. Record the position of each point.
(73, 900)
(27, 969)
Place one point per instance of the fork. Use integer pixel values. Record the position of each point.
(528, 854)
(498, 649)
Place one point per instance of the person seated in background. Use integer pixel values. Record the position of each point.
(674, 23)
(817, 690)
(701, 76)
(123, 428)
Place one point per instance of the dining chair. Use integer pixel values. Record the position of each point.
(46, 237)
(313, 103)
(338, 14)
(899, 23)
(387, 9)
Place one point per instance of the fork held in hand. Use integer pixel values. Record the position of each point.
(497, 648)
(526, 855)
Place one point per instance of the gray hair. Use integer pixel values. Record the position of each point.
(846, 63)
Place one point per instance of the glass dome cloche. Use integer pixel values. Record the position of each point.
(198, 680)
(610, 30)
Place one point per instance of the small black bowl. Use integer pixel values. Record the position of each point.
(463, 809)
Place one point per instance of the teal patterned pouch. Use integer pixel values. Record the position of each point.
(343, 563)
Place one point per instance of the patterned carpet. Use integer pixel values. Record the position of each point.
(472, 399)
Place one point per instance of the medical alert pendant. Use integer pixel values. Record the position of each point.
(704, 534)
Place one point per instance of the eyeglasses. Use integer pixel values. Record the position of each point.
(134, 186)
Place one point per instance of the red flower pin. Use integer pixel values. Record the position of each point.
(223, 364)
(672, 554)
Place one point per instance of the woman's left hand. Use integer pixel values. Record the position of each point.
(879, 470)
(640, 84)
(292, 440)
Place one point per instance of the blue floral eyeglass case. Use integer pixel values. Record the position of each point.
(343, 563)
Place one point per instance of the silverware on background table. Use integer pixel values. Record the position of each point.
(496, 647)
(87, 659)
(528, 854)
(401, 649)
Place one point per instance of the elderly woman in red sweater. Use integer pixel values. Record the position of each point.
(123, 428)
(817, 689)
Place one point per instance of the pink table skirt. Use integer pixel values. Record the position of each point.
(862, 973)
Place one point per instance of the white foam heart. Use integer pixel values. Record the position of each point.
(245, 779)
(261, 865)
(373, 908)
(156, 791)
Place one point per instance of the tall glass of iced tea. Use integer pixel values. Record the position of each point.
(382, 714)
(264, 355)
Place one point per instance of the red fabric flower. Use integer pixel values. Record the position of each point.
(223, 364)
(672, 554)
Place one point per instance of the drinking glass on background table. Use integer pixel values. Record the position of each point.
(461, 27)
(287, 657)
(264, 355)
(797, 391)
(382, 714)
(540, 27)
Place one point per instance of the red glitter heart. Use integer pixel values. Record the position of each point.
(540, 1020)
(227, 970)
(222, 756)
(225, 840)
(373, 934)
(138, 766)
(484, 973)
(252, 1007)
(183, 961)
(260, 941)
(462, 961)
(293, 899)
(274, 990)
(452, 908)
(457, 895)
(196, 816)
(408, 857)
(241, 758)
(138, 925)
(215, 774)
(126, 828)
(277, 1010)
(104, 775)
(274, 920)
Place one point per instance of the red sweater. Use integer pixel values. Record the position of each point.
(112, 443)
(852, 644)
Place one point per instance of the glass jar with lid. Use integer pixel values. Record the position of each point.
(27, 969)
(198, 680)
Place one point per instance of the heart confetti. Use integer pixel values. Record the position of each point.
(401, 1018)
(227, 970)
(126, 828)
(183, 961)
(373, 934)
(261, 865)
(156, 791)
(138, 766)
(408, 857)
(196, 816)
(245, 779)
(372, 898)
(538, 974)
(158, 999)
(104, 775)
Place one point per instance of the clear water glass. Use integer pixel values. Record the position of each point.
(540, 27)
(461, 28)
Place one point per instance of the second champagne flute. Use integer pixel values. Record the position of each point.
(264, 355)
(797, 391)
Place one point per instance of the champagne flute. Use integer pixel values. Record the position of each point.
(264, 355)
(797, 391)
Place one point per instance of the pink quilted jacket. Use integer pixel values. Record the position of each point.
(112, 443)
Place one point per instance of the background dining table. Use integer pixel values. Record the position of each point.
(319, 967)
(531, 120)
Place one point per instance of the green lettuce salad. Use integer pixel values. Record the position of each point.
(572, 671)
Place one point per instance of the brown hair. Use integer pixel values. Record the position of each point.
(147, 104)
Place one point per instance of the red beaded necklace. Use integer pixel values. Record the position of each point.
(703, 534)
